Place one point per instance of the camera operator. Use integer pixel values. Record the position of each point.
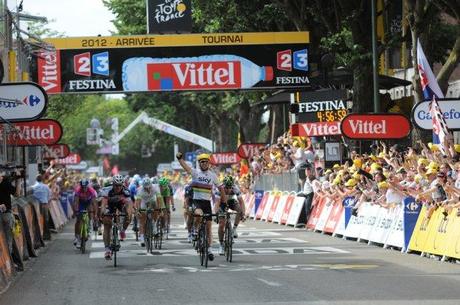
(6, 215)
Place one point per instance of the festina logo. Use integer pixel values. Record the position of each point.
(91, 84)
(49, 71)
(321, 106)
(368, 127)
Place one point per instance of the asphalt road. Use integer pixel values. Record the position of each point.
(272, 264)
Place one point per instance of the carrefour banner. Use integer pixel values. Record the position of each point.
(175, 63)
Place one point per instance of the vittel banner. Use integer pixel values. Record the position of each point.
(35, 133)
(175, 63)
(225, 158)
(450, 109)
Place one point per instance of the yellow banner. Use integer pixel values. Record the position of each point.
(148, 41)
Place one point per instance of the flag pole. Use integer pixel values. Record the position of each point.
(375, 72)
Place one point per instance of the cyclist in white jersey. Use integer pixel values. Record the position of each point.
(147, 197)
(202, 181)
(234, 202)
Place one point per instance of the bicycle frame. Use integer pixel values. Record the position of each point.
(84, 230)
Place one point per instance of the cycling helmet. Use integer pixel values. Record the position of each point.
(146, 182)
(84, 182)
(155, 180)
(137, 178)
(118, 180)
(164, 181)
(228, 181)
(206, 157)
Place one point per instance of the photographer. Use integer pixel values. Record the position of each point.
(6, 215)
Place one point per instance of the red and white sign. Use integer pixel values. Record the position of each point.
(35, 133)
(57, 151)
(248, 150)
(194, 75)
(71, 159)
(375, 126)
(82, 64)
(49, 71)
(315, 129)
(225, 158)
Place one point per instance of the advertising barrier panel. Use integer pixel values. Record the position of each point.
(224, 61)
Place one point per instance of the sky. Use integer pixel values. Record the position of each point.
(71, 17)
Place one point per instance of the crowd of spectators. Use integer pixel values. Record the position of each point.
(389, 175)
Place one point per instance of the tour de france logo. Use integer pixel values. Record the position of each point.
(170, 10)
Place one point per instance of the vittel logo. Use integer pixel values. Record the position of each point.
(225, 158)
(49, 71)
(206, 75)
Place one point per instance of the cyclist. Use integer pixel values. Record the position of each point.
(188, 196)
(167, 194)
(134, 185)
(202, 181)
(147, 197)
(232, 191)
(117, 198)
(84, 200)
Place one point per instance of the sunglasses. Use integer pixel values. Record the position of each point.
(204, 161)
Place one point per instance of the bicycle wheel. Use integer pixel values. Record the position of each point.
(148, 235)
(83, 235)
(114, 244)
(205, 247)
(136, 228)
(201, 246)
(160, 233)
(229, 239)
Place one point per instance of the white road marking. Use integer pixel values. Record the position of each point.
(273, 284)
(253, 251)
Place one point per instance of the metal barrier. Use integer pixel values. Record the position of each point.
(283, 182)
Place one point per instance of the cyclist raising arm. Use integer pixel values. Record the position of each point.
(202, 181)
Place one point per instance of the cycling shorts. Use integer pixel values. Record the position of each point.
(205, 206)
(83, 205)
(231, 204)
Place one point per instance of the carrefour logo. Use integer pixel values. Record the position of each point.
(84, 64)
(31, 100)
(412, 206)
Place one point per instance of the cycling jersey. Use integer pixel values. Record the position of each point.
(148, 198)
(188, 191)
(133, 187)
(202, 182)
(116, 200)
(166, 191)
(85, 198)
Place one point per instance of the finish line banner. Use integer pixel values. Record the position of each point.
(121, 64)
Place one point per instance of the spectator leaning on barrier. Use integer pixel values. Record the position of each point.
(42, 194)
(308, 189)
(6, 216)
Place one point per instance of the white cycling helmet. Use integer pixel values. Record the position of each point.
(118, 179)
(146, 182)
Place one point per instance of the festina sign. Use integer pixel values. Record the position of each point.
(375, 126)
(315, 129)
(56, 151)
(248, 150)
(71, 159)
(322, 106)
(225, 158)
(35, 133)
(450, 109)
